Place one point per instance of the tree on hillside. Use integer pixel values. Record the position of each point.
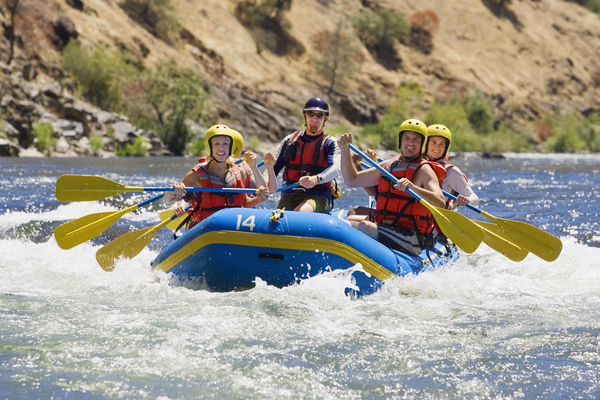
(175, 95)
(338, 54)
(379, 31)
(276, 8)
(156, 16)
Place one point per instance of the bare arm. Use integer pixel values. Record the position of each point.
(191, 179)
(269, 167)
(365, 178)
(356, 160)
(263, 195)
(251, 161)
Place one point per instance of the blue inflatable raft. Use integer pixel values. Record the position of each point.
(234, 246)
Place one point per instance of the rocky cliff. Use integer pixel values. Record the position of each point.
(530, 56)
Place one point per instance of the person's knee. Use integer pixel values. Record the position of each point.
(368, 228)
(352, 210)
(304, 207)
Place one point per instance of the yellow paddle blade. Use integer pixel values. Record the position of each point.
(73, 233)
(173, 224)
(495, 237)
(458, 228)
(88, 188)
(127, 246)
(542, 244)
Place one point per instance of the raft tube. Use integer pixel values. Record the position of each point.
(234, 246)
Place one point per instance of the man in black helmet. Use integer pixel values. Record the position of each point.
(311, 158)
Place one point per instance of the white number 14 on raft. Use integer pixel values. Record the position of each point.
(249, 223)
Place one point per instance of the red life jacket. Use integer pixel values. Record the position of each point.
(308, 158)
(205, 204)
(399, 206)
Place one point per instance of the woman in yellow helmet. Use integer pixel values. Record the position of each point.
(439, 139)
(218, 170)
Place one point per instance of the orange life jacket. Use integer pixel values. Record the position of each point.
(305, 158)
(399, 206)
(205, 204)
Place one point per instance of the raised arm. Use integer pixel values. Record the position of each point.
(250, 158)
(352, 177)
(270, 172)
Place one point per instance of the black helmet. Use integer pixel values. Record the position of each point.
(316, 104)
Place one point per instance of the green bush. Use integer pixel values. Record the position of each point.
(453, 115)
(361, 138)
(592, 5)
(378, 30)
(385, 132)
(410, 103)
(337, 130)
(573, 133)
(175, 95)
(156, 16)
(196, 148)
(138, 148)
(44, 134)
(253, 144)
(506, 139)
(480, 112)
(262, 13)
(98, 75)
(96, 143)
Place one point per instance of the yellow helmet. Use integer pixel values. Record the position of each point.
(439, 130)
(413, 125)
(219, 130)
(238, 144)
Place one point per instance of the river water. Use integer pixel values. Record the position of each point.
(482, 328)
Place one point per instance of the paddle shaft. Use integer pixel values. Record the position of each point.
(199, 189)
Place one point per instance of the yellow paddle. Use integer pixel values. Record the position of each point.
(128, 245)
(530, 238)
(495, 237)
(89, 188)
(173, 223)
(458, 228)
(73, 233)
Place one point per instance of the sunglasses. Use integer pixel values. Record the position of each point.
(319, 115)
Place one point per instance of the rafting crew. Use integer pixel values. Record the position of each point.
(219, 170)
(439, 139)
(400, 222)
(311, 158)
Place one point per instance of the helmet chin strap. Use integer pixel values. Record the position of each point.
(217, 161)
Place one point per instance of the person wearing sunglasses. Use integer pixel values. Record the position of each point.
(312, 158)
